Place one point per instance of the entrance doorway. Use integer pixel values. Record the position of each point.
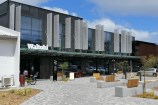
(26, 62)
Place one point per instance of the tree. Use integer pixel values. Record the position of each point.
(124, 66)
(148, 62)
(63, 66)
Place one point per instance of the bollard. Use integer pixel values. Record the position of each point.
(125, 75)
(140, 76)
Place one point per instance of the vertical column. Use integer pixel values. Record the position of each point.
(18, 18)
(116, 40)
(97, 35)
(85, 36)
(81, 34)
(77, 34)
(68, 32)
(49, 29)
(130, 38)
(12, 16)
(99, 38)
(123, 41)
(127, 42)
(102, 38)
(56, 31)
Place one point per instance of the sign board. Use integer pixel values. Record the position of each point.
(37, 47)
(72, 77)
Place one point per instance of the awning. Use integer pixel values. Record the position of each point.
(25, 51)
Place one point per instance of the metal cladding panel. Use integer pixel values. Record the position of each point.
(85, 36)
(99, 39)
(123, 41)
(102, 38)
(97, 33)
(56, 31)
(81, 34)
(129, 44)
(77, 34)
(116, 41)
(49, 29)
(18, 18)
(68, 32)
(12, 16)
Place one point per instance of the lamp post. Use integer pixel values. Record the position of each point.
(114, 65)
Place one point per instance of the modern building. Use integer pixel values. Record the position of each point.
(142, 48)
(48, 36)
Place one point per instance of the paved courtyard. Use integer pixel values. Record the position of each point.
(80, 92)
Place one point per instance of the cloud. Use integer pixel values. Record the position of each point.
(32, 2)
(60, 10)
(127, 7)
(109, 25)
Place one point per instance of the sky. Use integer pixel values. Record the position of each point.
(140, 17)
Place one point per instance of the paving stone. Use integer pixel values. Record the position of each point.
(80, 92)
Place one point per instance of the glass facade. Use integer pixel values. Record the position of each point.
(90, 33)
(31, 30)
(108, 42)
(61, 35)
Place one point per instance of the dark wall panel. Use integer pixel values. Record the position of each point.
(46, 67)
(4, 20)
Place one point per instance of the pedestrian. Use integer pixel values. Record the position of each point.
(25, 73)
(32, 70)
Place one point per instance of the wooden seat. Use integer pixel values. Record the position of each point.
(97, 76)
(110, 78)
(132, 83)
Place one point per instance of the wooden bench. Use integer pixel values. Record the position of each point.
(110, 78)
(131, 89)
(97, 76)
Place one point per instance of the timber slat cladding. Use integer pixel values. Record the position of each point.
(97, 76)
(132, 83)
(110, 78)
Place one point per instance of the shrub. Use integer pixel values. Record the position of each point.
(24, 92)
(150, 95)
(4, 94)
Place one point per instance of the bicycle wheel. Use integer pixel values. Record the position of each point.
(33, 81)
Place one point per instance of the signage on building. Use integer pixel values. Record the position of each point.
(37, 47)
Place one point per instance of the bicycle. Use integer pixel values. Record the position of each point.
(32, 79)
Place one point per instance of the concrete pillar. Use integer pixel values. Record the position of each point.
(56, 31)
(85, 36)
(77, 34)
(12, 16)
(68, 32)
(123, 41)
(49, 29)
(18, 18)
(116, 41)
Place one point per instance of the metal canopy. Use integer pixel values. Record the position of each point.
(25, 51)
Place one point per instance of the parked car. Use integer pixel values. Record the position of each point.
(92, 69)
(149, 72)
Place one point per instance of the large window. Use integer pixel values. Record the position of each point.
(108, 42)
(31, 30)
(61, 35)
(90, 39)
